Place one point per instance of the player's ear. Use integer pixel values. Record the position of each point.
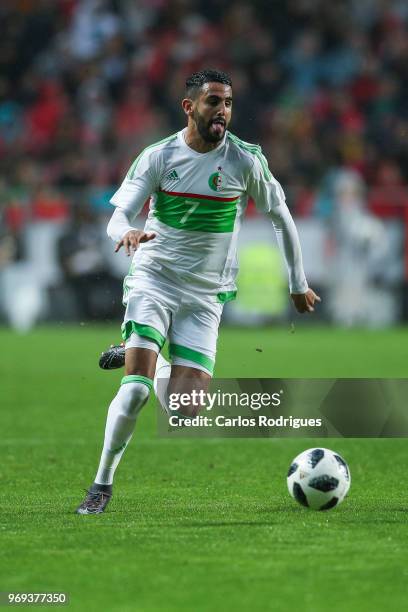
(187, 105)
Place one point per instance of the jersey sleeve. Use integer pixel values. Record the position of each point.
(263, 187)
(270, 199)
(141, 181)
(119, 225)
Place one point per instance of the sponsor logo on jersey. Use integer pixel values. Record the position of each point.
(172, 176)
(217, 181)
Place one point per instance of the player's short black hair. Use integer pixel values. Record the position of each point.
(195, 82)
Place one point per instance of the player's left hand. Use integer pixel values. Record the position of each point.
(304, 302)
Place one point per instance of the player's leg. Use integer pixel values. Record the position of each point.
(186, 380)
(123, 411)
(193, 342)
(143, 343)
(114, 358)
(195, 336)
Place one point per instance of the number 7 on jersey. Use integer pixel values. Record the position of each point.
(190, 210)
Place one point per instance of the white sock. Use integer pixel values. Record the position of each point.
(161, 381)
(120, 424)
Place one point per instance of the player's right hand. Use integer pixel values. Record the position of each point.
(132, 239)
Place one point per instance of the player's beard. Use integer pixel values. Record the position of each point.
(204, 128)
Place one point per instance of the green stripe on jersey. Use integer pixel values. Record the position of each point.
(254, 150)
(195, 214)
(132, 168)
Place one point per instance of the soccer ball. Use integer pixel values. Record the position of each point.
(319, 478)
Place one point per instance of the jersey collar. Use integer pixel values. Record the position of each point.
(181, 137)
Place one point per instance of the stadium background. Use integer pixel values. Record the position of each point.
(204, 524)
(323, 87)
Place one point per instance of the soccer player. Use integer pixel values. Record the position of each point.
(184, 264)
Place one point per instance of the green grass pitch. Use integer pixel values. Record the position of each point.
(195, 525)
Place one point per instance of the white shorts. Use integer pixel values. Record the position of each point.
(157, 310)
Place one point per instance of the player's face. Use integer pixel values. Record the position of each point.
(212, 111)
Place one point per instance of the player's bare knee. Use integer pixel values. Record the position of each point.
(140, 361)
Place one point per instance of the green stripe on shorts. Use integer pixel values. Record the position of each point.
(145, 331)
(177, 350)
(226, 296)
(133, 378)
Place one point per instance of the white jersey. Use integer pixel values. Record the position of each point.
(197, 202)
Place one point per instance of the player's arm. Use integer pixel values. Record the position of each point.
(270, 199)
(140, 182)
(303, 297)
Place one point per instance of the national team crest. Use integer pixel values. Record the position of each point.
(217, 181)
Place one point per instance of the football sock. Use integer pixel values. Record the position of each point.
(161, 381)
(120, 424)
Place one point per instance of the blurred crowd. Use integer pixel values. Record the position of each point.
(86, 84)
